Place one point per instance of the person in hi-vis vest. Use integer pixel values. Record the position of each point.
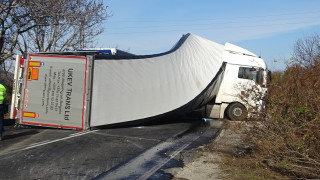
(3, 92)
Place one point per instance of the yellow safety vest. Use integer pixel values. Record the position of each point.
(3, 92)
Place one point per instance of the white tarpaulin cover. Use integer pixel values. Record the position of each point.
(138, 87)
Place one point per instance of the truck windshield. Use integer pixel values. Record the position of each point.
(251, 74)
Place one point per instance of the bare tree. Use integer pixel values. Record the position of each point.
(307, 51)
(71, 25)
(48, 25)
(15, 19)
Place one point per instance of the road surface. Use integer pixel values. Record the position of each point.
(119, 153)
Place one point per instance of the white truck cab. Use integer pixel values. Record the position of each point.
(243, 71)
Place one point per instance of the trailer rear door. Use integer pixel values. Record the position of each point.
(54, 91)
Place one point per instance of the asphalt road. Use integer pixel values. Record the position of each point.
(119, 153)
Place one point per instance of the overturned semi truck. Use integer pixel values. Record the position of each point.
(79, 90)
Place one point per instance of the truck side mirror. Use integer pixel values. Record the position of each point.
(269, 78)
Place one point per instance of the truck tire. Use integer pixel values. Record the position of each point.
(236, 112)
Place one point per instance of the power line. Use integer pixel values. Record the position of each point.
(212, 23)
(220, 28)
(210, 19)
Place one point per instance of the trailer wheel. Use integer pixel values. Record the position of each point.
(237, 112)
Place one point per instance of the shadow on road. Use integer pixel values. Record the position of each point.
(150, 122)
(8, 122)
(20, 134)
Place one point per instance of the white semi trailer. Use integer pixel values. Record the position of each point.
(79, 90)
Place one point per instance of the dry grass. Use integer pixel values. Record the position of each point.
(286, 142)
(246, 168)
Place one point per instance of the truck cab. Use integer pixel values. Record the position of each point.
(242, 86)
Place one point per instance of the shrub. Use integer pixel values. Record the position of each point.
(288, 141)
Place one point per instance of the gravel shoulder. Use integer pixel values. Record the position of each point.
(204, 164)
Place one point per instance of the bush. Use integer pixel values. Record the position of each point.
(288, 141)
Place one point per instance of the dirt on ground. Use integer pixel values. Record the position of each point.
(205, 163)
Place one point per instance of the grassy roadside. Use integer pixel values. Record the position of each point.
(246, 168)
(228, 156)
(238, 161)
(285, 142)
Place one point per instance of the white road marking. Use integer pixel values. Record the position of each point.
(159, 165)
(56, 140)
(138, 165)
(135, 144)
(150, 161)
(129, 137)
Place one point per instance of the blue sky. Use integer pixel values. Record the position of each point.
(268, 28)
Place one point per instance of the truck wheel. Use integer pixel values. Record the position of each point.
(237, 112)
